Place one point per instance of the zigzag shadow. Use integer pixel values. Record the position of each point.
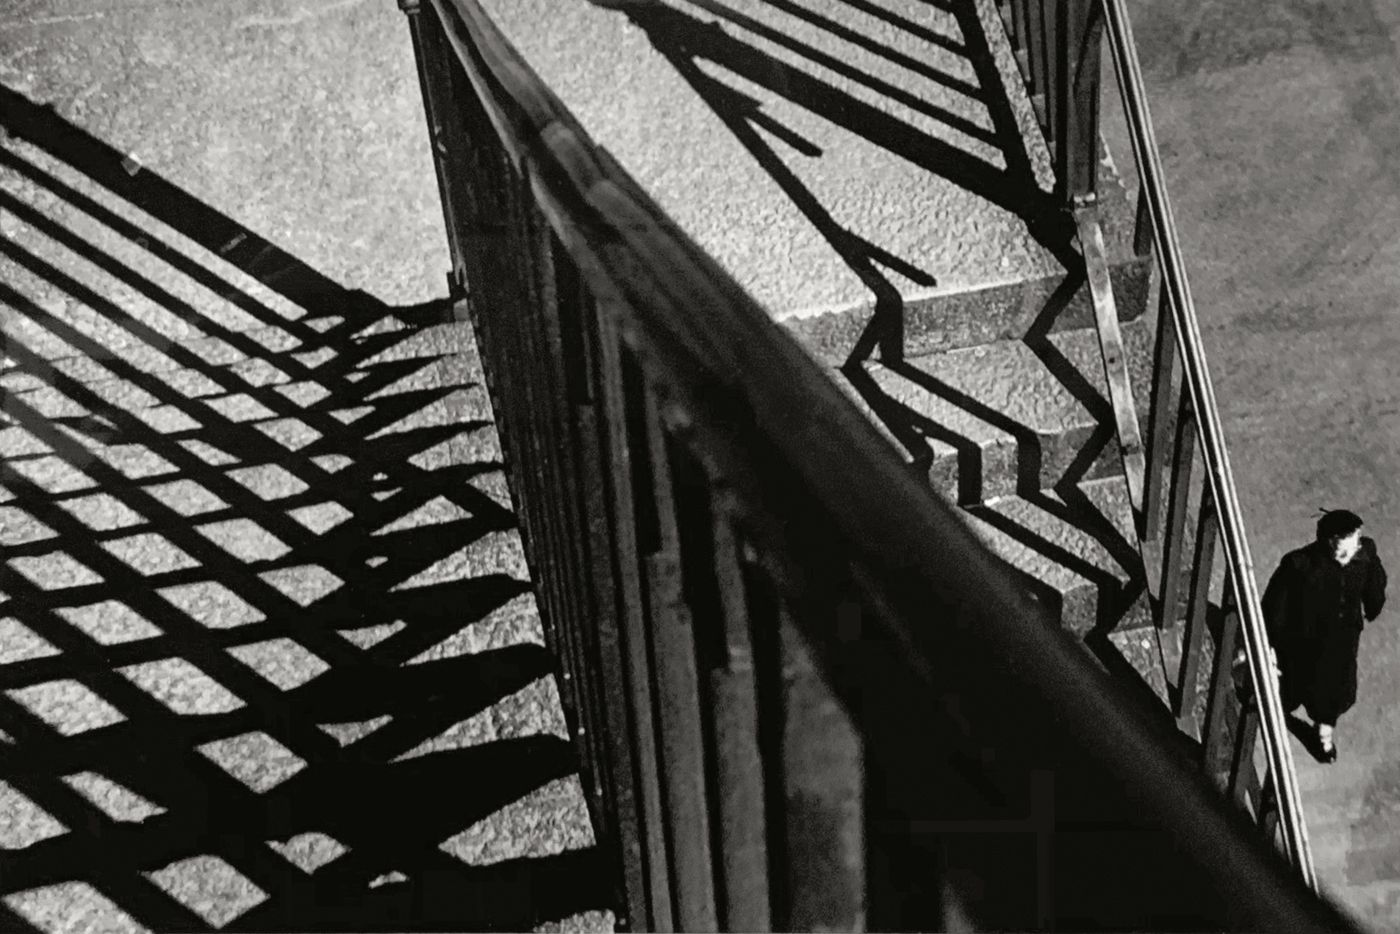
(268, 659)
(687, 42)
(1063, 498)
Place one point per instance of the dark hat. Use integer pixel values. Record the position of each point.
(1337, 523)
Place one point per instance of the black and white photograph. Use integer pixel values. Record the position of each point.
(699, 465)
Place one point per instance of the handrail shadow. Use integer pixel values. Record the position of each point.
(268, 657)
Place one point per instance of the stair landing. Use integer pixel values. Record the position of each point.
(824, 155)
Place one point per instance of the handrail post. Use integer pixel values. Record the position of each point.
(1077, 84)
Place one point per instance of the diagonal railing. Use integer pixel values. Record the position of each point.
(1058, 44)
(806, 695)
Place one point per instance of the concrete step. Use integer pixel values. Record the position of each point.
(1007, 311)
(1006, 418)
(1022, 303)
(1075, 549)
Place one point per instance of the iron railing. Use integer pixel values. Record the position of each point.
(1058, 44)
(804, 694)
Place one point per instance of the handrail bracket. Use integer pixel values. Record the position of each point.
(1115, 358)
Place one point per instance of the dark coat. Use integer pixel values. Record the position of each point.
(1315, 610)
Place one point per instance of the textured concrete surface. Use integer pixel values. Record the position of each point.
(979, 316)
(1280, 131)
(1007, 417)
(214, 565)
(268, 657)
(215, 96)
(822, 153)
(1077, 550)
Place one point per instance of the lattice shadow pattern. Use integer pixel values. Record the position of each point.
(268, 657)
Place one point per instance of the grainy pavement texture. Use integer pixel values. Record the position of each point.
(268, 656)
(1279, 124)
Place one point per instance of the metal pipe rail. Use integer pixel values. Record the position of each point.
(805, 695)
(1219, 475)
(1057, 43)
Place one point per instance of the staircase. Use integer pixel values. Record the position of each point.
(998, 395)
(805, 693)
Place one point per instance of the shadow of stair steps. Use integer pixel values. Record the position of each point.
(1076, 547)
(955, 320)
(1001, 419)
(1001, 400)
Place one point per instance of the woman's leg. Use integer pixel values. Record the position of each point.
(1326, 741)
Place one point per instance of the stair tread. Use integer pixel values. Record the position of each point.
(1011, 382)
(1027, 415)
(1080, 545)
(1005, 380)
(1092, 527)
(995, 311)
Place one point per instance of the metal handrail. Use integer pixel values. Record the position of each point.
(913, 549)
(1217, 460)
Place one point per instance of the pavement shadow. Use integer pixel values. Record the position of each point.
(268, 655)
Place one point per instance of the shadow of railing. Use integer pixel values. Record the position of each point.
(1051, 486)
(694, 489)
(268, 654)
(948, 113)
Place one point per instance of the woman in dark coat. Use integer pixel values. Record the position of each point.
(1315, 607)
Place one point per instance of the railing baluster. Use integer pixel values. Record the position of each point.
(1020, 39)
(628, 571)
(1169, 598)
(564, 305)
(825, 796)
(1077, 114)
(743, 823)
(1223, 709)
(1193, 639)
(529, 329)
(1244, 774)
(518, 269)
(434, 64)
(1160, 420)
(1052, 70)
(1111, 352)
(677, 680)
(620, 797)
(1036, 58)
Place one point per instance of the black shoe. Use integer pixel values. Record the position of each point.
(1329, 753)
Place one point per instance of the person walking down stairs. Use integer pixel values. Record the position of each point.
(1315, 607)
